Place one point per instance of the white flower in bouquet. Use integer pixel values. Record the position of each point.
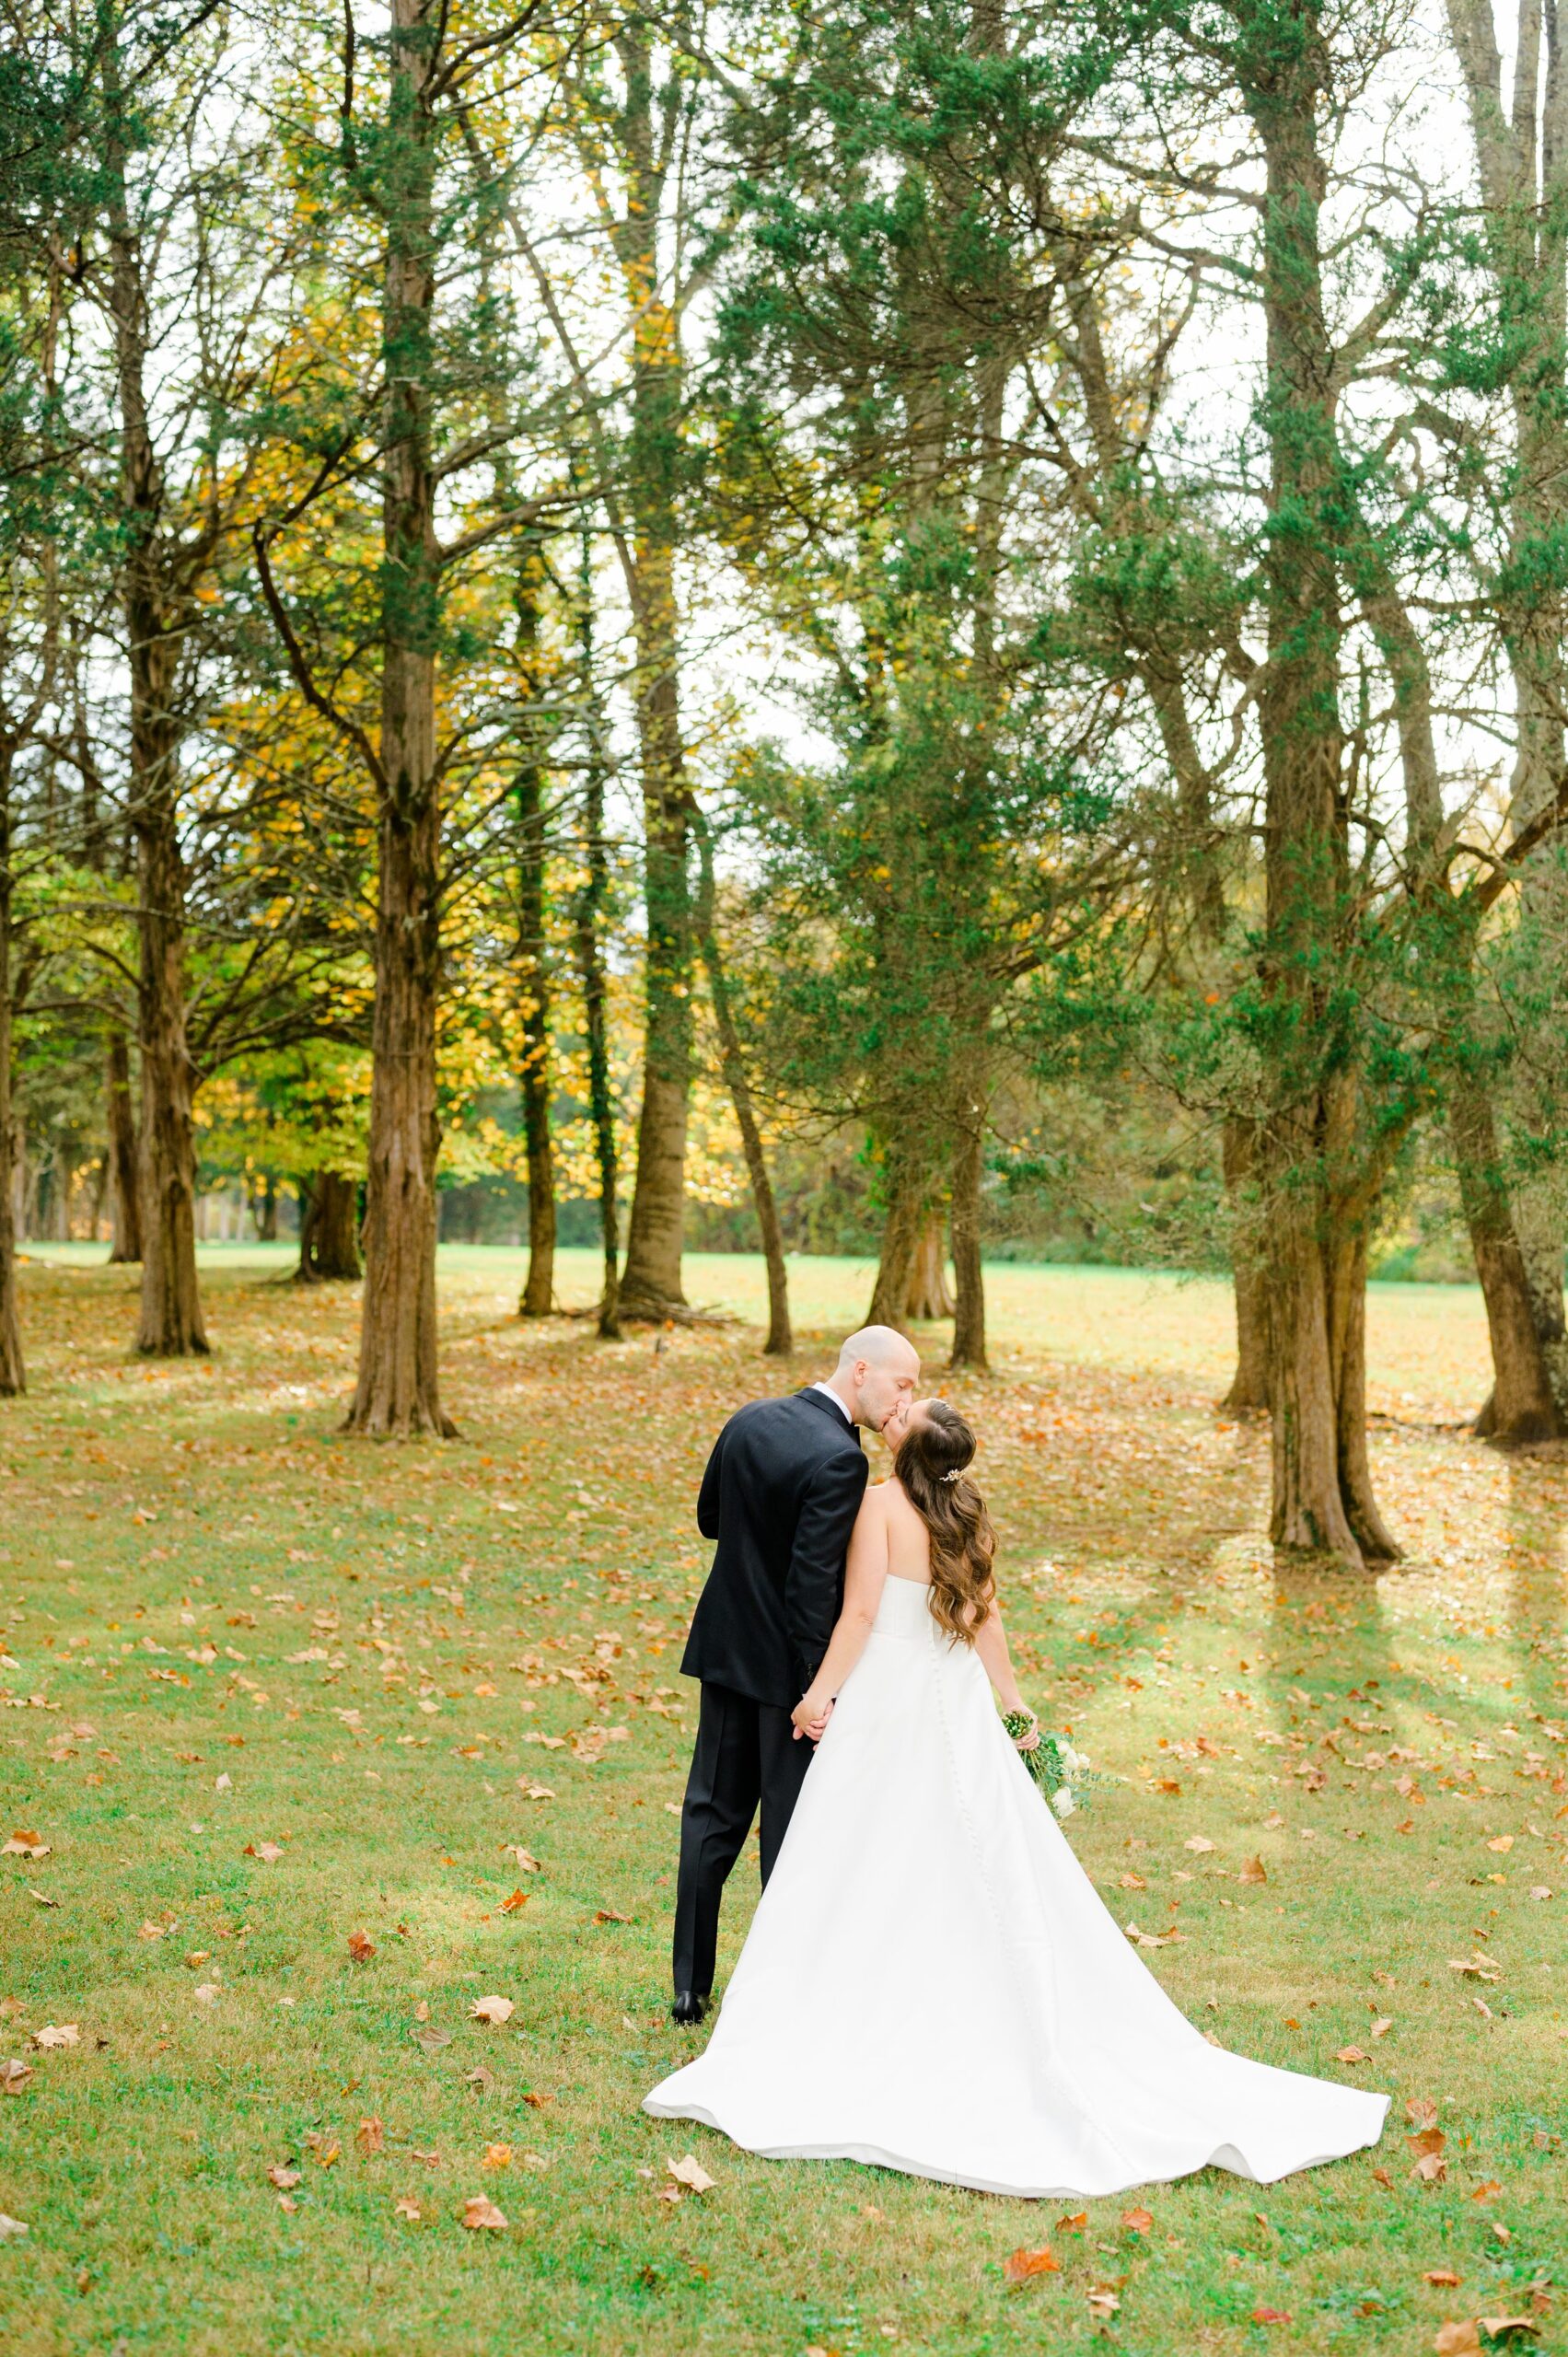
(1062, 1801)
(1073, 1762)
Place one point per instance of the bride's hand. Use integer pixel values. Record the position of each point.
(1029, 1739)
(811, 1714)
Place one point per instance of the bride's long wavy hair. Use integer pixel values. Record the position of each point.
(930, 1466)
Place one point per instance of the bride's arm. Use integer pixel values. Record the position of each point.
(866, 1569)
(990, 1644)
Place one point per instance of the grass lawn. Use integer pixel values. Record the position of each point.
(284, 1709)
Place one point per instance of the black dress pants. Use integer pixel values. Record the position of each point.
(746, 1752)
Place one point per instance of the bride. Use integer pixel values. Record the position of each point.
(931, 1983)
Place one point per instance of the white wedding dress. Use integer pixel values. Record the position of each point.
(931, 1983)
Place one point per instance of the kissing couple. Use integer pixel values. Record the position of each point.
(929, 1982)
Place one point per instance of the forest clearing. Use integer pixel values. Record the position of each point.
(310, 1750)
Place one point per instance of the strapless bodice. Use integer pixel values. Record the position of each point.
(904, 1609)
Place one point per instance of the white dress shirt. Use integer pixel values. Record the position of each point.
(828, 1393)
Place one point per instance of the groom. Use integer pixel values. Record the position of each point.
(780, 1496)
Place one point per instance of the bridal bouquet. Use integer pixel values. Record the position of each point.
(1056, 1768)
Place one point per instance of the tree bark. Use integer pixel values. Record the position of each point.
(968, 1313)
(587, 916)
(13, 1371)
(780, 1340)
(124, 1178)
(397, 1392)
(1521, 1407)
(930, 1296)
(1248, 1393)
(651, 1280)
(328, 1229)
(538, 1291)
(1313, 1252)
(171, 1323)
(902, 1228)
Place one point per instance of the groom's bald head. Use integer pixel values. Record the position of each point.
(876, 1377)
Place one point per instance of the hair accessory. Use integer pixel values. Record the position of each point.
(952, 1476)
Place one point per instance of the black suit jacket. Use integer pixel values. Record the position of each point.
(779, 1495)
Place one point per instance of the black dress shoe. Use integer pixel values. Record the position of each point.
(689, 2007)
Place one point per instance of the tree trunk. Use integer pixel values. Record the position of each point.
(587, 917)
(13, 1372)
(397, 1393)
(64, 1174)
(328, 1229)
(124, 1179)
(264, 1211)
(1521, 1407)
(651, 1281)
(906, 1221)
(171, 1323)
(1248, 1393)
(968, 1313)
(1313, 1250)
(780, 1341)
(538, 1291)
(930, 1296)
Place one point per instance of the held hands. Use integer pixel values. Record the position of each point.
(811, 1714)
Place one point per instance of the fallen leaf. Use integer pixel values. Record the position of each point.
(407, 2207)
(25, 1845)
(517, 1902)
(1457, 2338)
(1382, 2025)
(1270, 2315)
(267, 1852)
(11, 2225)
(1487, 2192)
(370, 2137)
(65, 2033)
(481, 2214)
(1199, 1843)
(688, 2171)
(15, 2075)
(492, 2009)
(496, 2156)
(1421, 2112)
(1352, 2054)
(361, 1946)
(1075, 2223)
(1252, 1870)
(1019, 2265)
(207, 1992)
(285, 2180)
(1445, 2276)
(1502, 1841)
(608, 1915)
(1137, 2222)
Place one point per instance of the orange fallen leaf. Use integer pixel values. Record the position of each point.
(285, 2180)
(1019, 2265)
(496, 2156)
(1352, 2054)
(1421, 2112)
(1076, 2223)
(1252, 1870)
(480, 2214)
(1445, 2276)
(608, 1915)
(1502, 1841)
(1270, 2315)
(361, 1946)
(1137, 2222)
(513, 1905)
(370, 2137)
(1487, 2192)
(24, 1844)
